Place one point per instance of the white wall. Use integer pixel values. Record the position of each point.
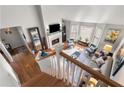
(0, 16)
(84, 13)
(119, 77)
(2, 47)
(8, 76)
(20, 15)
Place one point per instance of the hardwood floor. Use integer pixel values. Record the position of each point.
(25, 66)
(44, 80)
(29, 72)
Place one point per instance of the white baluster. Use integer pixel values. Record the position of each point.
(64, 69)
(79, 78)
(61, 68)
(73, 72)
(68, 72)
(52, 68)
(56, 70)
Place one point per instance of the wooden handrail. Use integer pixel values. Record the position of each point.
(96, 74)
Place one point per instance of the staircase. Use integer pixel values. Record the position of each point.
(45, 80)
(30, 74)
(61, 75)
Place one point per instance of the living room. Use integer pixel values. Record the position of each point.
(87, 25)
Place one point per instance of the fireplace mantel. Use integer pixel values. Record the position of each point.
(54, 39)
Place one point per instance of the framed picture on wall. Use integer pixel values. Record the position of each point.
(112, 35)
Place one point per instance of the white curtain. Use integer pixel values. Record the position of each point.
(90, 32)
(97, 35)
(81, 31)
(74, 31)
(86, 33)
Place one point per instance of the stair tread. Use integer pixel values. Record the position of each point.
(44, 80)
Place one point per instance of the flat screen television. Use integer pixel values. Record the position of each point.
(54, 28)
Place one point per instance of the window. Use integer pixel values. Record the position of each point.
(86, 33)
(74, 31)
(97, 35)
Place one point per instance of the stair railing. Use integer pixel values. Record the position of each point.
(71, 66)
(75, 73)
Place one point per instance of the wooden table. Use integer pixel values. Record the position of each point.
(50, 52)
(76, 45)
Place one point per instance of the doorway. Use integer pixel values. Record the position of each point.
(13, 40)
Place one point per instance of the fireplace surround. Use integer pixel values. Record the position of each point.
(54, 39)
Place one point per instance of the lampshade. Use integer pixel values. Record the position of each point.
(107, 48)
(92, 82)
(122, 52)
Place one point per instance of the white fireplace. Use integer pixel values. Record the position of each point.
(55, 39)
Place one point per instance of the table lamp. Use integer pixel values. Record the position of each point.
(107, 48)
(92, 82)
(122, 52)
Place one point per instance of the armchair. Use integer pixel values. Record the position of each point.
(91, 49)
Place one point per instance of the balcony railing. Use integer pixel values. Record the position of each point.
(75, 73)
(100, 78)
